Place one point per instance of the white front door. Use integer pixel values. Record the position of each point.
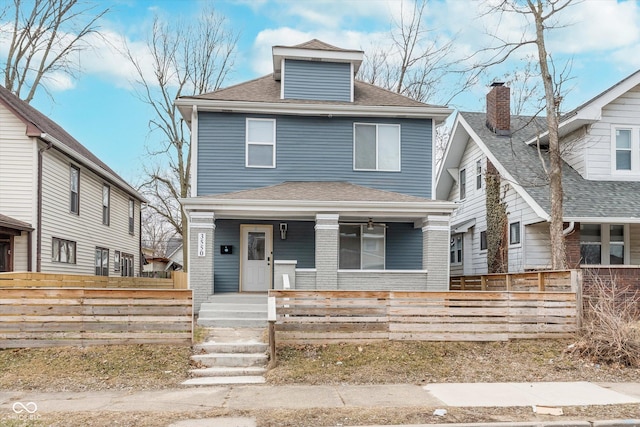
(256, 243)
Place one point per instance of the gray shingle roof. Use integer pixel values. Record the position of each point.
(315, 44)
(330, 191)
(37, 124)
(8, 222)
(266, 89)
(582, 198)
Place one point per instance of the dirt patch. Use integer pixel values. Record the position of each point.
(137, 367)
(146, 367)
(440, 362)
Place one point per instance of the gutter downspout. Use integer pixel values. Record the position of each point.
(569, 229)
(39, 219)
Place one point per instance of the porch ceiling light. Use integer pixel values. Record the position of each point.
(370, 224)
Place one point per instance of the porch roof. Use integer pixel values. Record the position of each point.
(305, 199)
(14, 224)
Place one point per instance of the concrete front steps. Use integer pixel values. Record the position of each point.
(234, 311)
(235, 351)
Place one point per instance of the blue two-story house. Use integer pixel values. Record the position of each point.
(311, 177)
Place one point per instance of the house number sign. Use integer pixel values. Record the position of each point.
(202, 244)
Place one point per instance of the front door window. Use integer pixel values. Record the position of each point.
(256, 248)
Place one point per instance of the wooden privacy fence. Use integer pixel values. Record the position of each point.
(46, 317)
(178, 281)
(348, 316)
(565, 280)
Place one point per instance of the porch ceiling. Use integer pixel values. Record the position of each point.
(303, 200)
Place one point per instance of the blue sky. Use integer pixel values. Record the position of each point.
(100, 109)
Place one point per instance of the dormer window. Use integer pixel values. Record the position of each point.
(623, 149)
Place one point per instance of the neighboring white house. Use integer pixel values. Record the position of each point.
(62, 210)
(600, 141)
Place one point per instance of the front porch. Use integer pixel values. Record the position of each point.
(339, 236)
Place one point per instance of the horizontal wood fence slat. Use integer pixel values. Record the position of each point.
(559, 281)
(46, 317)
(347, 316)
(44, 280)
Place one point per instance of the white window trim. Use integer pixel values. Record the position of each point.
(377, 169)
(520, 234)
(635, 150)
(456, 263)
(460, 180)
(247, 143)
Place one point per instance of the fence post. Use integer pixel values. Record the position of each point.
(507, 280)
(271, 317)
(541, 286)
(576, 286)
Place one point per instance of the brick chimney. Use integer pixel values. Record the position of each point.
(499, 109)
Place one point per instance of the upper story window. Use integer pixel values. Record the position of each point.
(376, 147)
(483, 240)
(106, 204)
(478, 174)
(63, 251)
(625, 150)
(261, 143)
(362, 246)
(462, 183)
(74, 188)
(132, 207)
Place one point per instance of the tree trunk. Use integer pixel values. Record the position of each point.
(558, 253)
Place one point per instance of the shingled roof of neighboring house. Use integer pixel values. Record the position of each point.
(266, 89)
(582, 198)
(38, 124)
(329, 191)
(14, 224)
(315, 44)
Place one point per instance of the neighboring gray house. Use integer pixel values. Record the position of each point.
(62, 210)
(312, 174)
(600, 142)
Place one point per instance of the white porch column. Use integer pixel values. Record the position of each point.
(201, 251)
(327, 251)
(435, 251)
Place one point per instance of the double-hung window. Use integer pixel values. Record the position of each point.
(462, 184)
(514, 233)
(106, 204)
(132, 206)
(63, 251)
(623, 149)
(362, 247)
(102, 262)
(74, 189)
(478, 174)
(376, 147)
(261, 143)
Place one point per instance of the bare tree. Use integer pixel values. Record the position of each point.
(186, 58)
(416, 62)
(43, 37)
(543, 16)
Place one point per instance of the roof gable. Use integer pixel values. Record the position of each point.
(38, 125)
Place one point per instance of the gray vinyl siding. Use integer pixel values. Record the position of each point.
(86, 229)
(307, 149)
(323, 81)
(403, 247)
(299, 245)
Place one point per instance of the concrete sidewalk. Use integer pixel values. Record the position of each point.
(341, 396)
